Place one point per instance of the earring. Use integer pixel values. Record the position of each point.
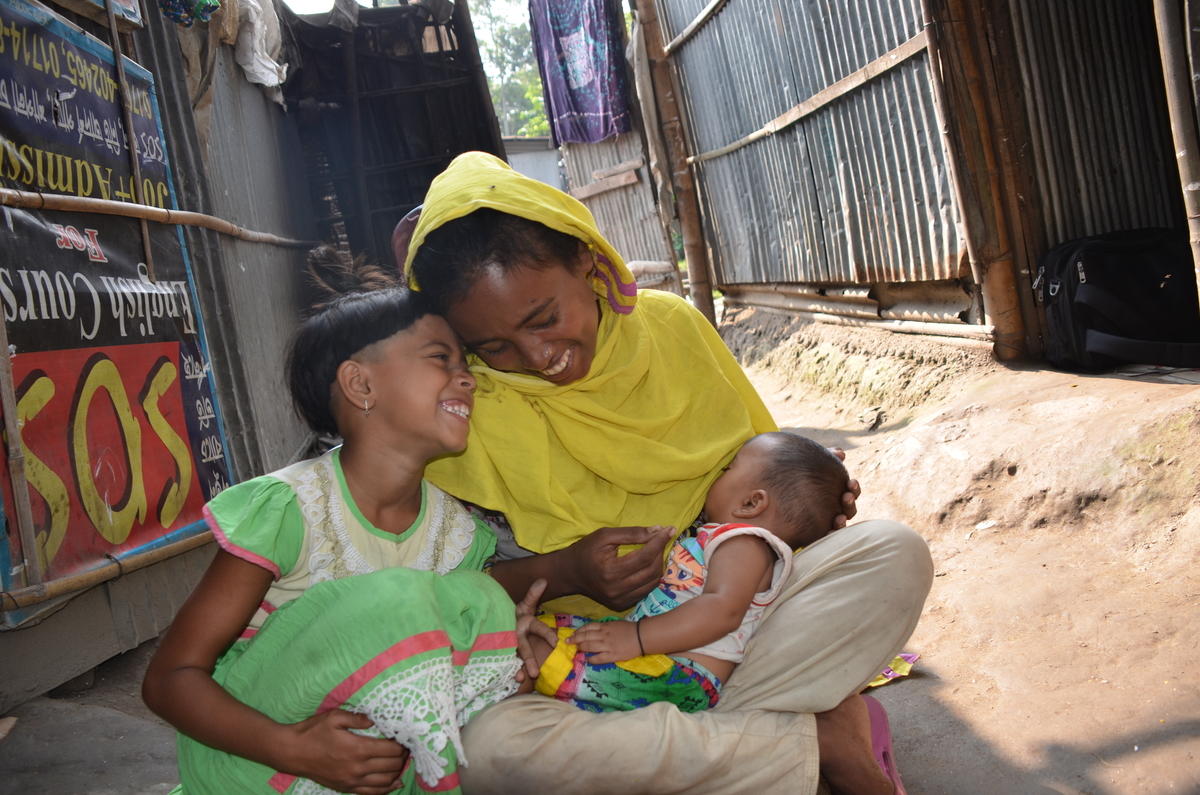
(366, 409)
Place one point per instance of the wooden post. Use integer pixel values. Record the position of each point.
(686, 201)
(16, 466)
(976, 177)
(1168, 18)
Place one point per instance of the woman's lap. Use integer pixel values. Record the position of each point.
(852, 601)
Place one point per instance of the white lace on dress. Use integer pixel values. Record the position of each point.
(423, 706)
(332, 553)
(452, 531)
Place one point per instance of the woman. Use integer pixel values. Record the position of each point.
(599, 407)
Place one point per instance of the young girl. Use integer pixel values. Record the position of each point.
(344, 628)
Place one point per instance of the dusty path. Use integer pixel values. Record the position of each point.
(1061, 641)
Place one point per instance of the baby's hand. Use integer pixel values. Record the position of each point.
(608, 641)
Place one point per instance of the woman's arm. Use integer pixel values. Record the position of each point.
(179, 687)
(592, 566)
(735, 574)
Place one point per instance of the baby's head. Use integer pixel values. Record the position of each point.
(785, 483)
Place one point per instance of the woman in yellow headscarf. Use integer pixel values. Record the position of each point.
(602, 415)
(597, 407)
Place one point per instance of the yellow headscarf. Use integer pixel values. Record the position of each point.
(477, 180)
(639, 439)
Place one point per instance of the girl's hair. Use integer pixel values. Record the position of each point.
(806, 479)
(361, 305)
(452, 256)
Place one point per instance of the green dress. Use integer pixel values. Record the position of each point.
(401, 627)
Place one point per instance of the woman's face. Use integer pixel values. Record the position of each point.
(540, 322)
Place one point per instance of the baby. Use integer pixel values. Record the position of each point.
(780, 493)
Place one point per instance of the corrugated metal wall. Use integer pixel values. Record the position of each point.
(627, 216)
(858, 191)
(1099, 130)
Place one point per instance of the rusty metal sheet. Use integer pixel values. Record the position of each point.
(856, 192)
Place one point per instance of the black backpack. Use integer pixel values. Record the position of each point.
(1118, 298)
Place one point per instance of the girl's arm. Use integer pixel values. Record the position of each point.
(179, 687)
(735, 574)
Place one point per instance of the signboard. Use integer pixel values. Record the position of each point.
(120, 427)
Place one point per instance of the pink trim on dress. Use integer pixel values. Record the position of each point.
(233, 549)
(417, 644)
(409, 647)
(250, 632)
(445, 785)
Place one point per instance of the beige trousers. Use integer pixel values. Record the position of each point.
(852, 601)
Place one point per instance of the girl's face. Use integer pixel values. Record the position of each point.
(420, 383)
(538, 322)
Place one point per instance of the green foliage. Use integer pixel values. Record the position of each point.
(506, 48)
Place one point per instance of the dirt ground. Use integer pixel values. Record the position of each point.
(1060, 643)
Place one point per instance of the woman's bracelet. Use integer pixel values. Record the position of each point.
(638, 627)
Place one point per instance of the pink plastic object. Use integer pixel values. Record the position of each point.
(881, 742)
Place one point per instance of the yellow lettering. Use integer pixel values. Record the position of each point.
(175, 492)
(104, 176)
(112, 521)
(41, 478)
(26, 158)
(59, 175)
(83, 178)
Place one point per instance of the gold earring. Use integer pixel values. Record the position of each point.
(366, 409)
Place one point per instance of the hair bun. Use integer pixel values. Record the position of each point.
(335, 274)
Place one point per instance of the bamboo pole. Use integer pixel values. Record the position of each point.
(32, 572)
(80, 204)
(111, 569)
(1168, 18)
(694, 26)
(686, 200)
(826, 96)
(991, 265)
(979, 333)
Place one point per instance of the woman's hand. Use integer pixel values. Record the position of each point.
(326, 751)
(608, 641)
(617, 581)
(849, 498)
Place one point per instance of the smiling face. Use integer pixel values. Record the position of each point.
(537, 321)
(420, 386)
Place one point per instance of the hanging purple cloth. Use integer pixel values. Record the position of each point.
(580, 50)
